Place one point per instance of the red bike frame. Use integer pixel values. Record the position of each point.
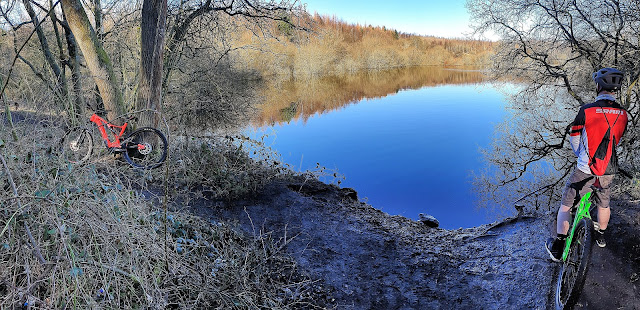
(101, 122)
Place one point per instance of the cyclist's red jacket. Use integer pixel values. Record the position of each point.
(595, 133)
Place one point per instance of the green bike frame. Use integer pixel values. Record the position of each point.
(582, 212)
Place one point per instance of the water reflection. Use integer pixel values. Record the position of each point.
(285, 101)
(407, 146)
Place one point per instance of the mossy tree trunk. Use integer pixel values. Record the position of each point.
(96, 58)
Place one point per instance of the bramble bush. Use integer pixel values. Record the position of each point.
(89, 236)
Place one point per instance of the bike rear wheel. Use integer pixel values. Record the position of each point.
(146, 148)
(77, 145)
(574, 270)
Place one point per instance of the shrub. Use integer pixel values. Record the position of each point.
(88, 236)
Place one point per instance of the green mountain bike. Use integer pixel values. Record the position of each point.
(576, 254)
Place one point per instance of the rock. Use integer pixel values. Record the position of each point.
(349, 193)
(428, 220)
(520, 208)
(309, 187)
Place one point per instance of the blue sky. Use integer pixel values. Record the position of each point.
(443, 18)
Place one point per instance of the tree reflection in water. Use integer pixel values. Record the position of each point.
(405, 140)
(299, 99)
(530, 155)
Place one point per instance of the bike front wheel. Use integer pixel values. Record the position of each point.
(77, 145)
(574, 269)
(145, 148)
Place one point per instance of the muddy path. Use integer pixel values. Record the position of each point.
(367, 259)
(613, 277)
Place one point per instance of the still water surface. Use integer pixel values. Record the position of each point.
(407, 149)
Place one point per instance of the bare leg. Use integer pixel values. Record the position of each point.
(563, 220)
(603, 217)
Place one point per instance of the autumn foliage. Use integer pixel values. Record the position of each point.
(331, 46)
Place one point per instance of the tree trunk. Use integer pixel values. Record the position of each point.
(97, 59)
(154, 16)
(97, 19)
(7, 114)
(61, 89)
(74, 65)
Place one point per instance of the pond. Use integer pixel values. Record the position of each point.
(405, 140)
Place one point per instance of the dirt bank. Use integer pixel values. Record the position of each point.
(368, 259)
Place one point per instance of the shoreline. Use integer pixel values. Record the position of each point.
(367, 259)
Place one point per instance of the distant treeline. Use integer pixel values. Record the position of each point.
(212, 58)
(330, 46)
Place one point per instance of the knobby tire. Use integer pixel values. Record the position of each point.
(154, 153)
(77, 145)
(574, 270)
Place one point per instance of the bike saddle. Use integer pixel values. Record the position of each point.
(596, 187)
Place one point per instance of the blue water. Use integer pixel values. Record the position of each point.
(406, 153)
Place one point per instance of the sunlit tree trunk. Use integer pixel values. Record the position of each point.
(154, 16)
(96, 58)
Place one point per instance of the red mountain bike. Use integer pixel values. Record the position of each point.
(145, 148)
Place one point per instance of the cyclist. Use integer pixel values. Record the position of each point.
(594, 134)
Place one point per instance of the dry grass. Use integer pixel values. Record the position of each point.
(89, 236)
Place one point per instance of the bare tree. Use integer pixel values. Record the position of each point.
(74, 65)
(154, 17)
(58, 84)
(551, 47)
(183, 14)
(61, 88)
(95, 56)
(190, 29)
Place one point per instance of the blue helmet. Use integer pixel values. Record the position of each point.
(608, 79)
